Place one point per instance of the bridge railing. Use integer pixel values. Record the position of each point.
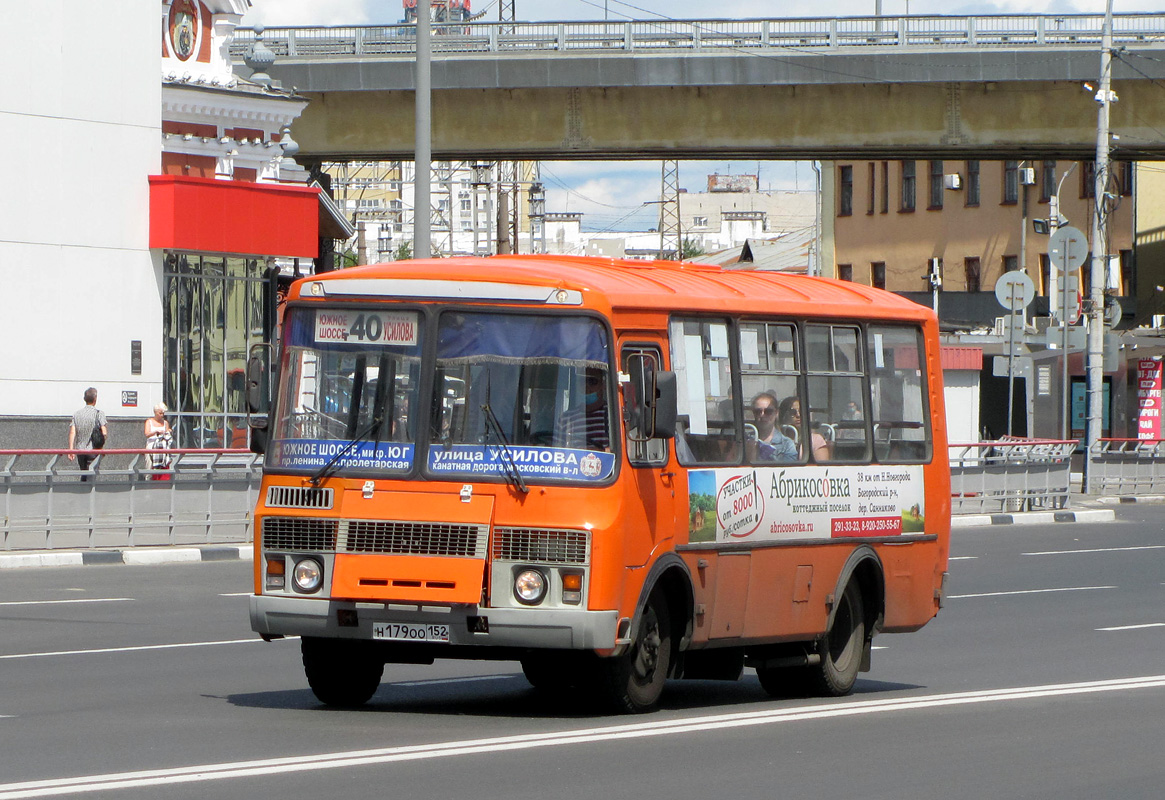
(48, 502)
(1128, 467)
(717, 35)
(1010, 475)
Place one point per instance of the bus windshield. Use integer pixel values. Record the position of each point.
(522, 392)
(349, 384)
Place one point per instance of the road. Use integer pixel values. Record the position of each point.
(1043, 677)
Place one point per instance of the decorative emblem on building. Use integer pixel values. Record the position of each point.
(184, 28)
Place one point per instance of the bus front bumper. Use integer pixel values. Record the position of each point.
(526, 628)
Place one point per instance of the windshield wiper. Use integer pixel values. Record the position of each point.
(509, 466)
(362, 436)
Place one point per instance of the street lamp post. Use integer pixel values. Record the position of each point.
(1098, 266)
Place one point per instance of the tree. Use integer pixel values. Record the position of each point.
(690, 249)
(404, 251)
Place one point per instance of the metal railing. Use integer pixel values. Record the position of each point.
(1128, 467)
(1031, 30)
(204, 496)
(1011, 475)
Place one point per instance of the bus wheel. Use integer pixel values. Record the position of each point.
(340, 672)
(841, 649)
(841, 657)
(635, 679)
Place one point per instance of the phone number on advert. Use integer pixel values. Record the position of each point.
(867, 526)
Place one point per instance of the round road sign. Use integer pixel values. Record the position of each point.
(1014, 290)
(1067, 248)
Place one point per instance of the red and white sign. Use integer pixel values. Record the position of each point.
(1148, 398)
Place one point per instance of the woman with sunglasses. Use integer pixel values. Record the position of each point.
(771, 444)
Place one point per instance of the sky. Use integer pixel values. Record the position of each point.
(612, 195)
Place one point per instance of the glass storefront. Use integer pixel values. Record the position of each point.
(213, 313)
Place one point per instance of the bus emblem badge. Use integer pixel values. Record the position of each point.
(590, 465)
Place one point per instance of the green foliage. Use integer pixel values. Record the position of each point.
(689, 249)
(403, 252)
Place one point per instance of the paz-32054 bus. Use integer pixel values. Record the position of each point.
(613, 472)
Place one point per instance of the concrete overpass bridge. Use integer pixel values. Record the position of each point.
(857, 88)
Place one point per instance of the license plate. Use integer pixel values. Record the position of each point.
(410, 632)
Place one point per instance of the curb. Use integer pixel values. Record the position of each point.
(1121, 500)
(134, 556)
(1033, 518)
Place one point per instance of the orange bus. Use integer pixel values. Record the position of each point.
(614, 472)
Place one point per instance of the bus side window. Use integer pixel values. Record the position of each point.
(898, 390)
(836, 390)
(638, 364)
(708, 426)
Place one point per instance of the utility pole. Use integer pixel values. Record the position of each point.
(422, 173)
(1099, 266)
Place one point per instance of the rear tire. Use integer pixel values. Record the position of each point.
(340, 672)
(841, 651)
(634, 681)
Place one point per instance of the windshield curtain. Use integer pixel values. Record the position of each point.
(349, 387)
(522, 392)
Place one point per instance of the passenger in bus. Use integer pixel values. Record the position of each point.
(771, 444)
(790, 416)
(587, 427)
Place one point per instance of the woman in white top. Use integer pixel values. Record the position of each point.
(159, 437)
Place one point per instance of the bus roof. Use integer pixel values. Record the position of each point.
(652, 285)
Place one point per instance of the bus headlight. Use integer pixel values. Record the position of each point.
(530, 587)
(308, 575)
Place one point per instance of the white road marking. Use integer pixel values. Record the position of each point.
(1096, 550)
(962, 558)
(236, 594)
(1029, 591)
(62, 602)
(609, 733)
(1134, 627)
(128, 649)
(466, 679)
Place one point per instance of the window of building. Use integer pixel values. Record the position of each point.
(885, 187)
(878, 274)
(845, 272)
(846, 193)
(1128, 285)
(972, 183)
(1045, 274)
(936, 185)
(971, 266)
(215, 308)
(699, 222)
(1124, 171)
(1010, 263)
(1010, 182)
(1047, 180)
(908, 186)
(1087, 179)
(870, 187)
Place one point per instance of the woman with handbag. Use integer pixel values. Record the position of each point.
(159, 437)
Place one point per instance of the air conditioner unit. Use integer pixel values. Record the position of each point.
(1027, 176)
(954, 181)
(1000, 326)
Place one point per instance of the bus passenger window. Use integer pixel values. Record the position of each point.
(708, 427)
(898, 390)
(836, 392)
(769, 372)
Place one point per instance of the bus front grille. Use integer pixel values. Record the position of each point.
(414, 538)
(542, 545)
(299, 497)
(300, 533)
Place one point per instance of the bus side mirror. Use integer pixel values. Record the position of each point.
(258, 394)
(660, 406)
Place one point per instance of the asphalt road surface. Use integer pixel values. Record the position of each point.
(1044, 677)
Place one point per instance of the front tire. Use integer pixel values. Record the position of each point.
(340, 672)
(634, 681)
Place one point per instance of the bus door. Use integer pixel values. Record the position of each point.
(653, 480)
